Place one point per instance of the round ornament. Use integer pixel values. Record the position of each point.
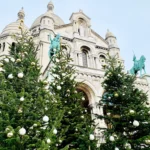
(33, 63)
(136, 123)
(91, 137)
(48, 141)
(22, 131)
(6, 60)
(20, 75)
(1, 64)
(131, 111)
(83, 98)
(116, 148)
(116, 94)
(10, 76)
(127, 146)
(55, 131)
(10, 134)
(58, 87)
(82, 117)
(12, 59)
(45, 118)
(111, 138)
(18, 60)
(22, 99)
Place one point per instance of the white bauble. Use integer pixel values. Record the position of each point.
(91, 137)
(20, 75)
(149, 112)
(20, 110)
(22, 99)
(57, 60)
(10, 76)
(18, 60)
(75, 92)
(68, 90)
(35, 125)
(54, 84)
(33, 63)
(6, 60)
(85, 110)
(60, 141)
(63, 74)
(55, 131)
(58, 87)
(116, 148)
(12, 59)
(76, 129)
(132, 111)
(1, 64)
(82, 116)
(62, 83)
(147, 142)
(136, 123)
(108, 114)
(1, 69)
(127, 146)
(111, 138)
(22, 131)
(83, 98)
(69, 112)
(48, 141)
(10, 134)
(45, 118)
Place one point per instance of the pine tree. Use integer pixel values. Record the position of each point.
(28, 113)
(125, 111)
(77, 127)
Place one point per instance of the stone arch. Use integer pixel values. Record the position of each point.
(89, 90)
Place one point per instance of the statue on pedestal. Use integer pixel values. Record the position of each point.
(138, 65)
(54, 46)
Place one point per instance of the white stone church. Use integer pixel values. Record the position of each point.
(87, 48)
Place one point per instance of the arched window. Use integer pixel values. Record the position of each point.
(85, 51)
(84, 58)
(102, 58)
(3, 46)
(13, 46)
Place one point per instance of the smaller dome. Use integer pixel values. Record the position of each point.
(13, 27)
(109, 34)
(50, 6)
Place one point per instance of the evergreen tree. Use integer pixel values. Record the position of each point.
(77, 127)
(125, 111)
(28, 113)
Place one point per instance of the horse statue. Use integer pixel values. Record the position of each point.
(54, 46)
(138, 65)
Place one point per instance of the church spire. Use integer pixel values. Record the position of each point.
(21, 14)
(50, 6)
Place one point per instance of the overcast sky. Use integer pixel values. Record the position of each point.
(129, 20)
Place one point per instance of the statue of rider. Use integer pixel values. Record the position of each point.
(54, 46)
(135, 62)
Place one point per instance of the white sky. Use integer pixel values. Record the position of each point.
(129, 20)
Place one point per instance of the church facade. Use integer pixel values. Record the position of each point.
(86, 47)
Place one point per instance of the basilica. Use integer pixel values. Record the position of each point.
(86, 47)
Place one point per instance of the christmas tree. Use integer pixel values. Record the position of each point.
(125, 111)
(77, 127)
(28, 113)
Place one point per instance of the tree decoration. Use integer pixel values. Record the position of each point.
(45, 118)
(92, 137)
(20, 75)
(10, 76)
(22, 131)
(136, 123)
(10, 134)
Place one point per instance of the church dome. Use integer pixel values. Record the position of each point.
(57, 20)
(13, 27)
(109, 34)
